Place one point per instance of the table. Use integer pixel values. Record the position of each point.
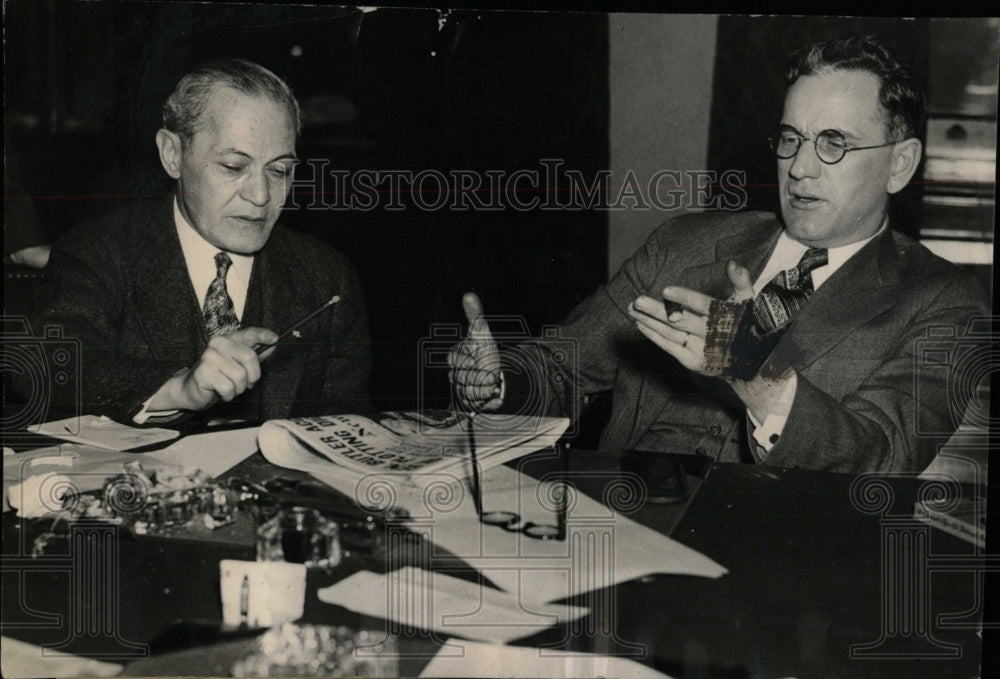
(829, 575)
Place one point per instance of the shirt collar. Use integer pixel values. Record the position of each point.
(199, 255)
(194, 243)
(788, 251)
(839, 255)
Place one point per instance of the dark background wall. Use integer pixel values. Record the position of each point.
(385, 90)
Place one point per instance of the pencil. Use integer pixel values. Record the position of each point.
(261, 348)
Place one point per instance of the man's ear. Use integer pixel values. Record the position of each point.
(905, 159)
(169, 145)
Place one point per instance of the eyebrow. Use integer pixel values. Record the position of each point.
(847, 134)
(286, 156)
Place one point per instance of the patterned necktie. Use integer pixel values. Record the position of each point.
(787, 292)
(220, 317)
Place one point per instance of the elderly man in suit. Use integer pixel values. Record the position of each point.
(175, 301)
(788, 340)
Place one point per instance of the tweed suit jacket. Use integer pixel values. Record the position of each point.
(119, 287)
(863, 400)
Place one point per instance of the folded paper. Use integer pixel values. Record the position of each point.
(447, 605)
(103, 432)
(475, 659)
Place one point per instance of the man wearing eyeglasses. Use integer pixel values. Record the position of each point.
(791, 341)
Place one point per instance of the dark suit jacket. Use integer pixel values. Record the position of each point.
(865, 400)
(119, 288)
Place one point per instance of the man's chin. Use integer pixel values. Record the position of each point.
(805, 229)
(244, 242)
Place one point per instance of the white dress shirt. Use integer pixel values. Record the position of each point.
(199, 255)
(786, 255)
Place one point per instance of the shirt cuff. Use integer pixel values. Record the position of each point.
(145, 415)
(768, 432)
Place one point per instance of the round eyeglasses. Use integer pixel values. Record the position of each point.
(831, 146)
(512, 523)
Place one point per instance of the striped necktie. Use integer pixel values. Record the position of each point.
(786, 293)
(220, 317)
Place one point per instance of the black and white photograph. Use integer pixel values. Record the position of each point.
(401, 341)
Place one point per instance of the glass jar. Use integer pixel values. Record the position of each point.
(299, 535)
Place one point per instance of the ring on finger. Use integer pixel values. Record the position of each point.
(687, 337)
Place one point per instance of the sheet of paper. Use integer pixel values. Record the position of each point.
(435, 601)
(602, 547)
(103, 432)
(475, 659)
(213, 453)
(21, 660)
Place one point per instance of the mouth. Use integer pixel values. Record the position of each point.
(803, 200)
(256, 221)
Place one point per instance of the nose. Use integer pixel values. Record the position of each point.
(256, 189)
(805, 163)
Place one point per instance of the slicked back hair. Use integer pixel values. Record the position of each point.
(901, 94)
(183, 111)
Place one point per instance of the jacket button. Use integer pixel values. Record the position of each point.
(700, 451)
(715, 430)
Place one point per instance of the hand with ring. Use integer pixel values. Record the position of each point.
(681, 331)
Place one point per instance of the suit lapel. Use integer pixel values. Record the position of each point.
(865, 286)
(749, 249)
(284, 292)
(167, 310)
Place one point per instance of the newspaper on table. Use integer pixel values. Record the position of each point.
(404, 445)
(420, 462)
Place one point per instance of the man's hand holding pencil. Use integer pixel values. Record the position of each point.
(229, 366)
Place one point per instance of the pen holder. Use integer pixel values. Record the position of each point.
(300, 535)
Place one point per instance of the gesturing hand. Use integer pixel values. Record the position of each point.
(682, 333)
(475, 362)
(227, 368)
